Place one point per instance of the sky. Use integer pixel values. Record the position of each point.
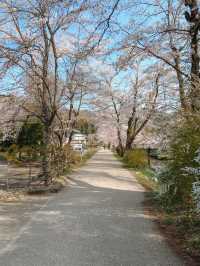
(124, 20)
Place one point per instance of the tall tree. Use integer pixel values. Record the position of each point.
(33, 47)
(193, 18)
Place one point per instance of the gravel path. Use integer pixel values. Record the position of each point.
(98, 220)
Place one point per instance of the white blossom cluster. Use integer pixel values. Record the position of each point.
(194, 170)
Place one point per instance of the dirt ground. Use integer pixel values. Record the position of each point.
(11, 175)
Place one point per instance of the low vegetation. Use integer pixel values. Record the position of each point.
(176, 206)
(24, 150)
(77, 160)
(136, 158)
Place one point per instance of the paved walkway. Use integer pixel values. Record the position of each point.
(97, 221)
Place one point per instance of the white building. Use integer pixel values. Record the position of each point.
(79, 141)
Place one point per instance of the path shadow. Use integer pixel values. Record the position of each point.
(103, 226)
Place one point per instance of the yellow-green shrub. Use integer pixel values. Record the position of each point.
(136, 158)
(72, 157)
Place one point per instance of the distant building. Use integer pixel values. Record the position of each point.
(79, 141)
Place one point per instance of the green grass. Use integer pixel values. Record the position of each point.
(145, 178)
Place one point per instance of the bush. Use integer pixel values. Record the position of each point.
(72, 157)
(182, 170)
(194, 242)
(30, 134)
(13, 149)
(136, 158)
(11, 155)
(3, 157)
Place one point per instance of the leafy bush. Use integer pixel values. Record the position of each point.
(13, 149)
(194, 242)
(136, 158)
(30, 134)
(168, 220)
(182, 170)
(85, 126)
(11, 154)
(3, 157)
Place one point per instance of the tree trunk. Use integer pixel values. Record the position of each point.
(120, 148)
(46, 168)
(130, 135)
(182, 96)
(195, 92)
(129, 142)
(194, 21)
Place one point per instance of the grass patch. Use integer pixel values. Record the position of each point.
(145, 178)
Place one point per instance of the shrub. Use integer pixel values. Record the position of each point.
(11, 155)
(3, 157)
(30, 134)
(194, 242)
(136, 158)
(75, 157)
(13, 149)
(182, 169)
(72, 157)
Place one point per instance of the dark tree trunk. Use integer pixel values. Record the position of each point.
(120, 148)
(129, 143)
(46, 168)
(193, 19)
(195, 92)
(130, 135)
(183, 100)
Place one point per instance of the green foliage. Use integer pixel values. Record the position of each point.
(150, 173)
(27, 144)
(85, 126)
(12, 154)
(145, 178)
(13, 149)
(180, 171)
(3, 156)
(168, 220)
(136, 158)
(194, 242)
(1, 136)
(30, 134)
